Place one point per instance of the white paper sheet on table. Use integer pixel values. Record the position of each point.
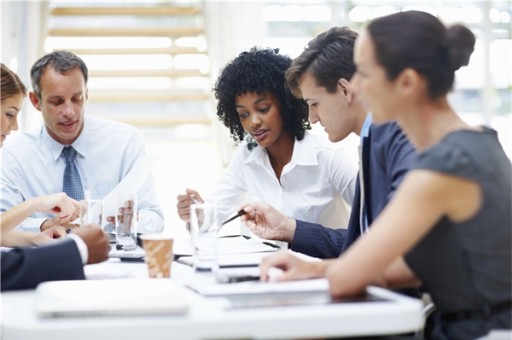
(257, 287)
(231, 260)
(110, 297)
(106, 270)
(226, 246)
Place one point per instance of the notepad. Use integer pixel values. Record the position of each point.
(230, 261)
(259, 288)
(110, 297)
(227, 245)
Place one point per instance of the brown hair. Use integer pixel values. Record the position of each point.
(11, 84)
(328, 57)
(418, 40)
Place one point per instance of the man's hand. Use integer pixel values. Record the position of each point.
(185, 201)
(97, 243)
(268, 223)
(49, 235)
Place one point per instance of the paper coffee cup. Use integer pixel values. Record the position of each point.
(159, 255)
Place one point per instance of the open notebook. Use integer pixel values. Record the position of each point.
(110, 297)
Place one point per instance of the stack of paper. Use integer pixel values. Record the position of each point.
(110, 297)
(236, 252)
(258, 288)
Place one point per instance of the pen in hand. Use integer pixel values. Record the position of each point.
(238, 214)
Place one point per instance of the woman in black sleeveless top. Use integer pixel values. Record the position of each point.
(448, 226)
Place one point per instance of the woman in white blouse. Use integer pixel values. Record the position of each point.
(278, 162)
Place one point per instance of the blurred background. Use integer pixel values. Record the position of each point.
(153, 63)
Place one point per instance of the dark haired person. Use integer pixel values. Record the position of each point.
(448, 225)
(25, 267)
(278, 162)
(101, 152)
(321, 76)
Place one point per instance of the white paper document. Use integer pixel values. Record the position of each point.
(226, 246)
(257, 287)
(242, 245)
(105, 271)
(130, 184)
(231, 260)
(110, 297)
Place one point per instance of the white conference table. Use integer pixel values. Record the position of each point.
(208, 318)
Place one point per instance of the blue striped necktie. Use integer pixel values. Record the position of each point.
(72, 184)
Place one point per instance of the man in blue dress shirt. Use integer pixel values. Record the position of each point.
(103, 152)
(321, 76)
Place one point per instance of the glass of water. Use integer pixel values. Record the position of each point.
(91, 212)
(126, 222)
(204, 225)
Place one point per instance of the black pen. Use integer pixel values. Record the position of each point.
(238, 214)
(236, 278)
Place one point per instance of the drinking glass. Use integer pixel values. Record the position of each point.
(91, 213)
(126, 222)
(204, 225)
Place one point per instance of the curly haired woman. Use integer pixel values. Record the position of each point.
(276, 151)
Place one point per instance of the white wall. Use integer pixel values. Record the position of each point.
(22, 45)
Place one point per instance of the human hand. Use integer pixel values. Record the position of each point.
(268, 223)
(56, 223)
(65, 208)
(185, 201)
(49, 235)
(293, 268)
(97, 243)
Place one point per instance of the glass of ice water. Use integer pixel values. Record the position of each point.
(126, 222)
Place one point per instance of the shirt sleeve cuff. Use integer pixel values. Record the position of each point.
(82, 247)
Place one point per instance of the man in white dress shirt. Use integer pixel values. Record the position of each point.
(106, 151)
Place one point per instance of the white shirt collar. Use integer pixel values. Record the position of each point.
(55, 147)
(303, 153)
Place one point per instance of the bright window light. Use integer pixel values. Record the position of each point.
(291, 47)
(471, 14)
(271, 13)
(291, 13)
(160, 83)
(498, 16)
(295, 13)
(365, 13)
(128, 62)
(192, 83)
(427, 9)
(317, 13)
(379, 11)
(359, 14)
(449, 14)
(199, 42)
(192, 61)
(101, 42)
(501, 68)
